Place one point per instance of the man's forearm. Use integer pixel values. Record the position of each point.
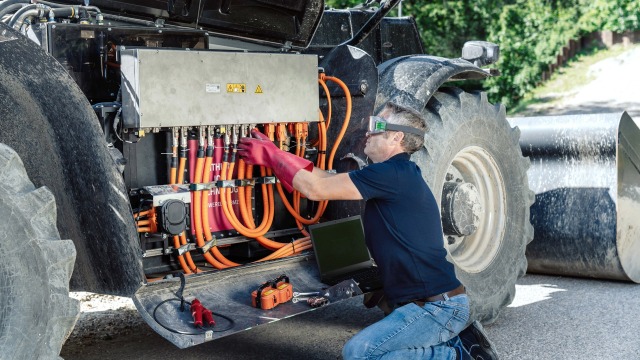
(322, 185)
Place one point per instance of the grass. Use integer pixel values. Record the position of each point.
(569, 77)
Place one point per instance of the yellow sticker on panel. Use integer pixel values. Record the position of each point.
(236, 88)
(259, 90)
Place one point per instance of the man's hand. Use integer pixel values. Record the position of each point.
(259, 150)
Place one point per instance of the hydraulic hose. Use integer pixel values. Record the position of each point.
(21, 14)
(10, 8)
(6, 3)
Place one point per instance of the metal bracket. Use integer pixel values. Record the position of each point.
(233, 183)
(207, 246)
(182, 249)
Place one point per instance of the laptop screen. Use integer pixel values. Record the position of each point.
(339, 244)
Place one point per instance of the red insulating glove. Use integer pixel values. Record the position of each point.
(196, 312)
(259, 150)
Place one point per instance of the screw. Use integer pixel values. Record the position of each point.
(363, 87)
(449, 177)
(451, 240)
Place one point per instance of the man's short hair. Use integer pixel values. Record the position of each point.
(401, 115)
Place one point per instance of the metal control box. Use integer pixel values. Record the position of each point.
(169, 88)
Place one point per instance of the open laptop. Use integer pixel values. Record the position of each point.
(342, 253)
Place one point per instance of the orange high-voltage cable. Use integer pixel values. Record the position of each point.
(197, 209)
(206, 177)
(180, 180)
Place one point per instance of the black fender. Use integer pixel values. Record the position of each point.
(357, 69)
(47, 120)
(410, 81)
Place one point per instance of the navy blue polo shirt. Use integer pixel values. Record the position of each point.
(403, 230)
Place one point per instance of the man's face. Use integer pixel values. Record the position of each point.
(379, 147)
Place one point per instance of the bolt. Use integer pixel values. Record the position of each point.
(363, 87)
(449, 177)
(451, 240)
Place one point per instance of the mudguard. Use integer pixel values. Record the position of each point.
(410, 81)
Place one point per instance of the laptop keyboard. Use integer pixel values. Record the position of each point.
(367, 276)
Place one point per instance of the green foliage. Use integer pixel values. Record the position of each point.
(614, 15)
(530, 32)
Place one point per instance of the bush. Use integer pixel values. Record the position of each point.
(530, 32)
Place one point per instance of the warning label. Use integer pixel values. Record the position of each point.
(258, 90)
(236, 88)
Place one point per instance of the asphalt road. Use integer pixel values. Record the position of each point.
(551, 317)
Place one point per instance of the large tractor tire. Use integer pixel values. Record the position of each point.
(37, 314)
(473, 164)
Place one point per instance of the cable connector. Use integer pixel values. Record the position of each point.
(270, 130)
(281, 132)
(201, 315)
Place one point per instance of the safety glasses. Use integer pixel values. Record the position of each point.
(378, 125)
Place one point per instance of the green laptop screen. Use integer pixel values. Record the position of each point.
(339, 244)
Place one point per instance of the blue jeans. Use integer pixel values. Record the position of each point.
(413, 332)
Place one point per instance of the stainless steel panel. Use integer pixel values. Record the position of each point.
(167, 88)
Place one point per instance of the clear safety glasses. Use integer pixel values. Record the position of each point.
(378, 125)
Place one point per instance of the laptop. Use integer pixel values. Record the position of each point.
(342, 253)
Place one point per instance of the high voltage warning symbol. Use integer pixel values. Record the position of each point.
(236, 88)
(258, 90)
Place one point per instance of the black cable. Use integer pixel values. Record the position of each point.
(203, 331)
(179, 297)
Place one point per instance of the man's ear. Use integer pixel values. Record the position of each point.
(398, 136)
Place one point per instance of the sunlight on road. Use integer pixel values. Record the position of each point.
(529, 294)
(92, 302)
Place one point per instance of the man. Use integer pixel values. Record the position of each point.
(403, 230)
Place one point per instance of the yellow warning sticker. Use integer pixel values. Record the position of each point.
(236, 88)
(259, 90)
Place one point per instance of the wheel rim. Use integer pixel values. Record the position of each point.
(475, 252)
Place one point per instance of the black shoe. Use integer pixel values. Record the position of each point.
(460, 352)
(476, 342)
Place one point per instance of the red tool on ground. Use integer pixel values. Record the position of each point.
(199, 312)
